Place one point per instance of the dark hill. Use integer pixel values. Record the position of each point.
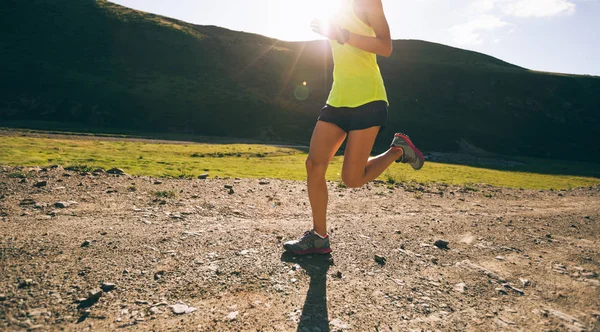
(103, 65)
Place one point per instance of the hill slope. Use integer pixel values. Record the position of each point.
(97, 63)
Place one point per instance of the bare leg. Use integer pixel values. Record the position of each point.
(326, 140)
(358, 168)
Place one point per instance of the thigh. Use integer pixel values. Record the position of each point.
(358, 149)
(325, 141)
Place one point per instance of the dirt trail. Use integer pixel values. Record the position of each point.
(517, 260)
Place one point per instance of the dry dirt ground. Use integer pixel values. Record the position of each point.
(103, 252)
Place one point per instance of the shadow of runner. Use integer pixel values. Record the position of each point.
(314, 312)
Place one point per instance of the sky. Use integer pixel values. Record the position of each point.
(546, 35)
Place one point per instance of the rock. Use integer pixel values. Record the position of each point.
(500, 258)
(94, 294)
(228, 186)
(516, 290)
(85, 243)
(380, 259)
(61, 205)
(232, 315)
(263, 182)
(40, 184)
(25, 283)
(141, 302)
(157, 182)
(338, 274)
(155, 311)
(244, 252)
(27, 201)
(398, 232)
(108, 286)
(442, 244)
(460, 287)
(501, 291)
(98, 171)
(231, 192)
(158, 275)
(203, 176)
(338, 324)
(116, 171)
(181, 308)
(2, 297)
(525, 282)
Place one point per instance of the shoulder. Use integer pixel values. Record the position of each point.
(369, 5)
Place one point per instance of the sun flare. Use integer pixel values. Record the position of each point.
(293, 22)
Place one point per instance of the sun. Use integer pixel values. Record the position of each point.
(290, 20)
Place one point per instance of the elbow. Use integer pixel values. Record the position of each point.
(387, 50)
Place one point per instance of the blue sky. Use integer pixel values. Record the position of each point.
(548, 35)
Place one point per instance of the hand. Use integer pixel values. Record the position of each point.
(325, 28)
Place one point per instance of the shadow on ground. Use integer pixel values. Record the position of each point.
(314, 312)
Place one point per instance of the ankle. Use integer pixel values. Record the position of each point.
(321, 235)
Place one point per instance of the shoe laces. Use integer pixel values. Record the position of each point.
(305, 237)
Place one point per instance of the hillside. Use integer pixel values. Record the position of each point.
(109, 67)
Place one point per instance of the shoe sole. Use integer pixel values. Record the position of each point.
(414, 148)
(320, 251)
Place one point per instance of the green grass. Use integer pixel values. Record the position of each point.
(254, 161)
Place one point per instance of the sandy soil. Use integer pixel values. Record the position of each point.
(102, 251)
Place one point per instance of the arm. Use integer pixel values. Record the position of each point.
(381, 44)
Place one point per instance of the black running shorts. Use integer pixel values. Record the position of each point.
(369, 115)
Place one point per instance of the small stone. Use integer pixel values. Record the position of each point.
(27, 201)
(203, 176)
(338, 324)
(294, 280)
(244, 252)
(231, 192)
(157, 182)
(2, 297)
(228, 186)
(380, 259)
(502, 291)
(40, 184)
(398, 232)
(108, 286)
(442, 244)
(155, 311)
(94, 294)
(232, 315)
(25, 283)
(263, 182)
(116, 171)
(98, 170)
(141, 302)
(61, 205)
(460, 287)
(158, 275)
(500, 258)
(181, 308)
(525, 282)
(338, 274)
(85, 243)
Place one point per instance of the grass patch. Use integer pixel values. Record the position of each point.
(17, 175)
(80, 168)
(165, 194)
(261, 161)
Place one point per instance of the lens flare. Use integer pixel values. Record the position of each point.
(302, 92)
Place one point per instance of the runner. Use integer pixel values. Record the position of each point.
(356, 109)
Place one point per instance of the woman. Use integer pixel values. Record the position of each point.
(356, 109)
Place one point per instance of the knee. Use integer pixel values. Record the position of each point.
(352, 181)
(315, 166)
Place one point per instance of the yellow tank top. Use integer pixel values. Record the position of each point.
(356, 76)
